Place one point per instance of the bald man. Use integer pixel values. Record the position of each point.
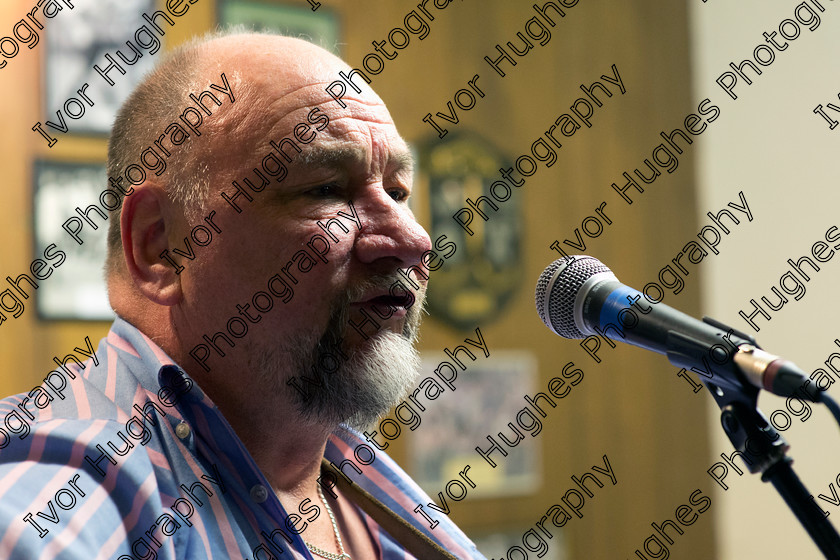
(262, 320)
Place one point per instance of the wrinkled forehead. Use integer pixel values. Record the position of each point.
(307, 111)
(356, 113)
(290, 74)
(286, 86)
(361, 133)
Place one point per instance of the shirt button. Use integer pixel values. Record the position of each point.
(258, 493)
(182, 430)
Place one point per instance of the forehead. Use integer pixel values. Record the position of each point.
(284, 82)
(362, 120)
(360, 137)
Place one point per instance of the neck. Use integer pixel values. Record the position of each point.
(286, 447)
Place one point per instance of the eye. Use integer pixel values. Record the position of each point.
(326, 190)
(400, 195)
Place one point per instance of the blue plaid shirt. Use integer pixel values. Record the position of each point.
(131, 460)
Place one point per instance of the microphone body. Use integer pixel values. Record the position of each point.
(611, 307)
(579, 296)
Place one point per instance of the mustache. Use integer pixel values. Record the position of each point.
(391, 282)
(339, 320)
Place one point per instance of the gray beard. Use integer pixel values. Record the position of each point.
(333, 385)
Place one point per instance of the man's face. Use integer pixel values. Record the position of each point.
(358, 157)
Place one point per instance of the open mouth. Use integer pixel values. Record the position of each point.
(385, 301)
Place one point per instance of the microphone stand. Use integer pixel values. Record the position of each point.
(761, 447)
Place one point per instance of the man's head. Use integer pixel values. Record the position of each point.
(327, 220)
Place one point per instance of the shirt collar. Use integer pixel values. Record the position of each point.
(195, 419)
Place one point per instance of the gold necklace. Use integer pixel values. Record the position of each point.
(342, 555)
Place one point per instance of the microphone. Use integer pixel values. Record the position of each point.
(578, 296)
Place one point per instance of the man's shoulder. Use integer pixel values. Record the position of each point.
(87, 400)
(67, 486)
(55, 410)
(75, 458)
(75, 436)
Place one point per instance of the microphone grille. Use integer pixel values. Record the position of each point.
(557, 289)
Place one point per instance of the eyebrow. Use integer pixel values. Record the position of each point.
(337, 157)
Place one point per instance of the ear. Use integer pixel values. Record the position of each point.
(144, 224)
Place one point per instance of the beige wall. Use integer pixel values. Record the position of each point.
(770, 144)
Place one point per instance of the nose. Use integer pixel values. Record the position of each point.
(389, 231)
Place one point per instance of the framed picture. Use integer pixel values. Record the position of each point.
(78, 39)
(76, 290)
(321, 27)
(487, 395)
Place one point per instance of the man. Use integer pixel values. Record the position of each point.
(255, 280)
